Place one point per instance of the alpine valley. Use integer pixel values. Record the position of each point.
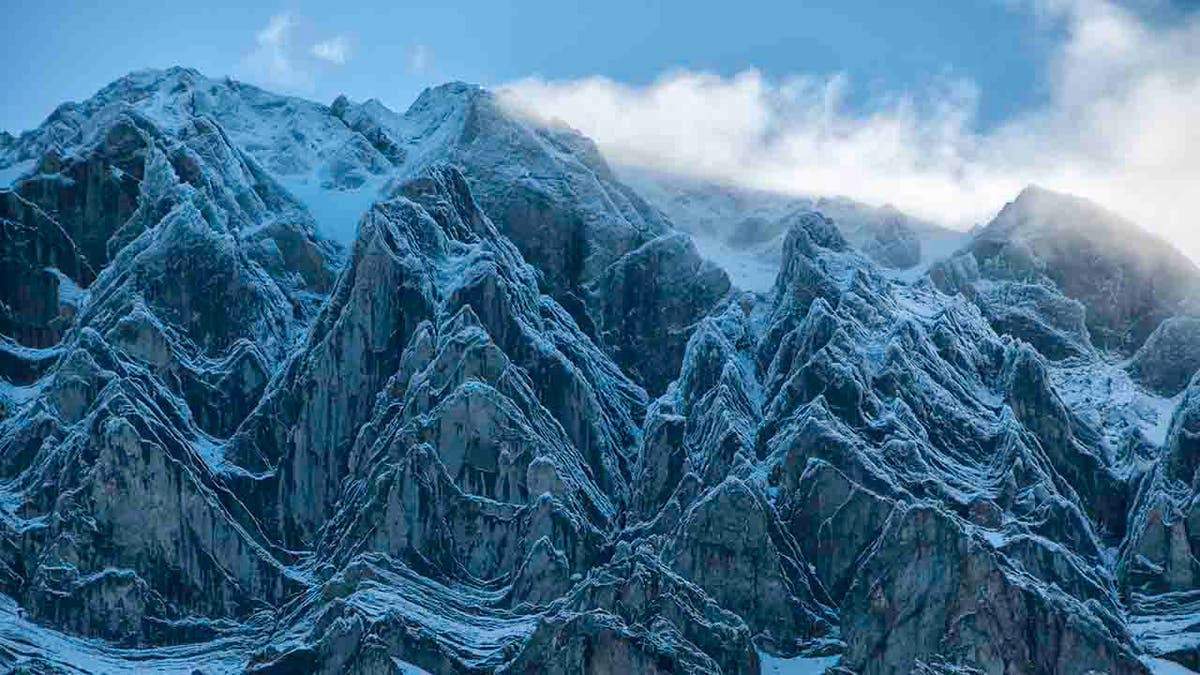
(299, 388)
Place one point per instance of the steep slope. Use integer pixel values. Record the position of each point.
(891, 446)
(553, 195)
(183, 274)
(547, 186)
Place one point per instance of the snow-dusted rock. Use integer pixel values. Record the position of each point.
(227, 447)
(1128, 289)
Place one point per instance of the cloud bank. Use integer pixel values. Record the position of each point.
(1120, 127)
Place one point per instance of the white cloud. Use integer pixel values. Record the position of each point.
(272, 62)
(420, 59)
(334, 50)
(1120, 127)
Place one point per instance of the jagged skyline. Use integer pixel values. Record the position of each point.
(944, 114)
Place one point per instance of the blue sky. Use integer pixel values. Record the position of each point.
(945, 110)
(67, 50)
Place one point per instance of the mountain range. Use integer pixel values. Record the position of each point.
(292, 387)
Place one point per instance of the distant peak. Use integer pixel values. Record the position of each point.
(1034, 193)
(1041, 214)
(447, 96)
(1033, 189)
(155, 76)
(1039, 207)
(339, 105)
(455, 87)
(451, 90)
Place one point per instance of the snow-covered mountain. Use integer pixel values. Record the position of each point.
(289, 387)
(746, 227)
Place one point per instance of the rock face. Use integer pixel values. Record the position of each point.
(649, 299)
(1170, 356)
(601, 251)
(520, 423)
(930, 587)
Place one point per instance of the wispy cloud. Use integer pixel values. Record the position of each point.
(276, 60)
(420, 59)
(1119, 127)
(334, 50)
(271, 62)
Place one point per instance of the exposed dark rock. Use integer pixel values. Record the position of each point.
(649, 300)
(930, 588)
(731, 546)
(1170, 356)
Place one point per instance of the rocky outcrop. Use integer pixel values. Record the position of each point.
(835, 522)
(1170, 356)
(1037, 314)
(604, 254)
(930, 588)
(648, 302)
(730, 545)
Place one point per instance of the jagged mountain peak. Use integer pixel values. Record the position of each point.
(1129, 280)
(1039, 213)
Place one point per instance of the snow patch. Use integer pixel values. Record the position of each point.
(747, 270)
(773, 665)
(211, 451)
(336, 212)
(10, 174)
(69, 292)
(1165, 667)
(1104, 395)
(406, 668)
(25, 640)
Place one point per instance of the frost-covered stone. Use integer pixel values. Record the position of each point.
(929, 588)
